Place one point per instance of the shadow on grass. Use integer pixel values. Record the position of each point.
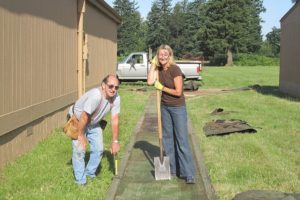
(149, 150)
(272, 90)
(106, 155)
(110, 159)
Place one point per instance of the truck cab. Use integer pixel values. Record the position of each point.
(134, 67)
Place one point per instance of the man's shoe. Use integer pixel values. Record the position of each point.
(190, 180)
(81, 184)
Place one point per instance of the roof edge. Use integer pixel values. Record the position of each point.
(289, 11)
(107, 10)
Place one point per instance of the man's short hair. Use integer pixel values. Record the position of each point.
(106, 78)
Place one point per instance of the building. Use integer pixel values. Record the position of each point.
(50, 52)
(289, 80)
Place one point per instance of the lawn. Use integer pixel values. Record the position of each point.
(268, 159)
(46, 172)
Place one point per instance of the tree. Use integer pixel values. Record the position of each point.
(184, 24)
(231, 27)
(130, 31)
(273, 38)
(177, 28)
(158, 23)
(194, 21)
(141, 42)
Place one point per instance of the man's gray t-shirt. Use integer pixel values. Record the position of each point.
(90, 102)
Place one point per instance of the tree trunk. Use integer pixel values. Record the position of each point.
(229, 58)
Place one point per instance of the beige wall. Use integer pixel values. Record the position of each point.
(289, 52)
(38, 65)
(38, 59)
(102, 45)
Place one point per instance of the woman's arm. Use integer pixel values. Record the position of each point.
(152, 75)
(178, 82)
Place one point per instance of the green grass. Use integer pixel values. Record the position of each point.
(234, 77)
(268, 159)
(46, 172)
(243, 59)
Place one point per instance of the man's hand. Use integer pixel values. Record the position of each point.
(82, 140)
(158, 85)
(115, 148)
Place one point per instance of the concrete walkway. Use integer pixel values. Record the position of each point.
(136, 181)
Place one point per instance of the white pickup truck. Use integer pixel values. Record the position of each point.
(136, 66)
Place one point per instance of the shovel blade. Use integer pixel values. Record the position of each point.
(162, 169)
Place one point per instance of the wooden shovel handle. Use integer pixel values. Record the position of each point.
(158, 99)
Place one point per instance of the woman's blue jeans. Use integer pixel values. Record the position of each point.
(176, 140)
(95, 139)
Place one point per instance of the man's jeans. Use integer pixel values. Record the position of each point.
(95, 139)
(175, 140)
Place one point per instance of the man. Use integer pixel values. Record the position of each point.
(89, 109)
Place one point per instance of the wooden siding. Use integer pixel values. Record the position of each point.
(38, 66)
(289, 52)
(102, 45)
(23, 139)
(38, 59)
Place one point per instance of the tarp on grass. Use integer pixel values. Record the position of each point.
(223, 127)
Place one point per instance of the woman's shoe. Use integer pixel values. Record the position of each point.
(190, 180)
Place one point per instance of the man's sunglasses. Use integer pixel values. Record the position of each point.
(113, 86)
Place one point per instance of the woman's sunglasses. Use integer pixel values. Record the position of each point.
(113, 86)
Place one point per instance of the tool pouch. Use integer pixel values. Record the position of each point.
(103, 124)
(71, 128)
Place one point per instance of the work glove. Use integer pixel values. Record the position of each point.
(154, 62)
(158, 85)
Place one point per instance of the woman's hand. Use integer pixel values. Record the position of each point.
(158, 85)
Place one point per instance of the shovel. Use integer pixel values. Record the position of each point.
(162, 163)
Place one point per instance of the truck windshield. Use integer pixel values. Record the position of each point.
(126, 59)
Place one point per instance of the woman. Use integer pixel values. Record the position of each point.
(173, 113)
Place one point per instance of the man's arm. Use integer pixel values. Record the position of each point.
(115, 147)
(83, 122)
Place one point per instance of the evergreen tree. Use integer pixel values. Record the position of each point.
(273, 38)
(129, 32)
(177, 28)
(158, 23)
(141, 42)
(266, 49)
(230, 27)
(184, 24)
(194, 20)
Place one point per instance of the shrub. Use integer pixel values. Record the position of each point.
(218, 60)
(255, 60)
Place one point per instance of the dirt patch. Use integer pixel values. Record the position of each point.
(204, 92)
(213, 91)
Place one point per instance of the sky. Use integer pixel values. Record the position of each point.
(275, 10)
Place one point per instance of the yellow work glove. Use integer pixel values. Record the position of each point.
(154, 62)
(158, 85)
